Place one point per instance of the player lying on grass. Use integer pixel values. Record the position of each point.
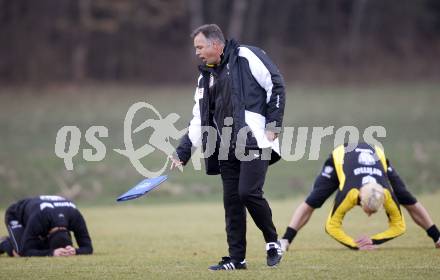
(363, 176)
(41, 226)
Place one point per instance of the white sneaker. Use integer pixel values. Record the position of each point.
(284, 244)
(274, 253)
(437, 244)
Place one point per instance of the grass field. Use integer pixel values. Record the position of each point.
(30, 119)
(178, 231)
(179, 241)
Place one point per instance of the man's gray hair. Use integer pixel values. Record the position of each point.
(372, 196)
(212, 32)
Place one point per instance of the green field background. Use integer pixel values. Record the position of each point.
(178, 230)
(30, 119)
(180, 241)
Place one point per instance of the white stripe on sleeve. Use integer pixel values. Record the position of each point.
(194, 129)
(259, 71)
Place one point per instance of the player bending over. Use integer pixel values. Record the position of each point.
(363, 176)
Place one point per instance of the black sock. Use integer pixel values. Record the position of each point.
(290, 234)
(433, 233)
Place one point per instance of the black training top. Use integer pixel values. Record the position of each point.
(39, 215)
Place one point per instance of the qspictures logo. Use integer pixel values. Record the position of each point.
(68, 140)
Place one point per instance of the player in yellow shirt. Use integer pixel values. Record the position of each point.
(361, 175)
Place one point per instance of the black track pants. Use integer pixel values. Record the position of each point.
(243, 189)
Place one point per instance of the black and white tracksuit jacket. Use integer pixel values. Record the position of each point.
(257, 94)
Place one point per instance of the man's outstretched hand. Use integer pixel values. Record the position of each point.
(365, 243)
(271, 136)
(175, 163)
(64, 252)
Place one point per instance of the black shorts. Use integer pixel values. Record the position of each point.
(404, 197)
(319, 194)
(326, 183)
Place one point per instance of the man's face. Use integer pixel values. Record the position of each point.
(208, 51)
(367, 210)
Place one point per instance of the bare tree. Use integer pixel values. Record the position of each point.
(195, 9)
(355, 27)
(253, 23)
(237, 18)
(79, 53)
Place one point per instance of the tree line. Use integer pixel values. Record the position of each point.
(147, 41)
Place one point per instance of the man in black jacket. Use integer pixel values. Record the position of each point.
(41, 226)
(239, 102)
